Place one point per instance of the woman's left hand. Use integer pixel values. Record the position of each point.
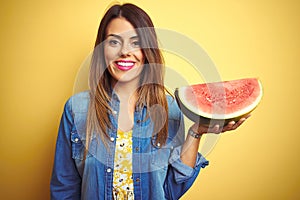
(202, 129)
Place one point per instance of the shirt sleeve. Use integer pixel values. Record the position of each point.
(182, 171)
(65, 181)
(180, 176)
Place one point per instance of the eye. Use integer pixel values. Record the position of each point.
(114, 42)
(136, 44)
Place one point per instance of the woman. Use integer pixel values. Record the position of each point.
(124, 138)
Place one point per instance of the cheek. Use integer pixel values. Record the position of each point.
(140, 56)
(110, 55)
(106, 56)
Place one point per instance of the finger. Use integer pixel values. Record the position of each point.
(229, 126)
(240, 122)
(216, 129)
(247, 116)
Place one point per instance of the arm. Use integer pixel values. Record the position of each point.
(65, 180)
(186, 161)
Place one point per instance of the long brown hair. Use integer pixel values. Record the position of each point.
(151, 91)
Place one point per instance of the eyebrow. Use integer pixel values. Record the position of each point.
(118, 36)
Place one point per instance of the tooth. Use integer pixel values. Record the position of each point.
(125, 64)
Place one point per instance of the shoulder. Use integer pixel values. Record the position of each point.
(174, 111)
(79, 102)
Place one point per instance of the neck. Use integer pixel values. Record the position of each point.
(126, 91)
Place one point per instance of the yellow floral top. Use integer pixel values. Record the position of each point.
(123, 181)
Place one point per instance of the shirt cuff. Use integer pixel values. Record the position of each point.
(182, 171)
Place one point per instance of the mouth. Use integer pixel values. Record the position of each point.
(124, 65)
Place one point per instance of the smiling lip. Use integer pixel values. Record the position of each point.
(124, 65)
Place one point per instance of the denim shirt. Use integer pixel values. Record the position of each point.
(158, 172)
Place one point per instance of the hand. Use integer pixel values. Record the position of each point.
(202, 129)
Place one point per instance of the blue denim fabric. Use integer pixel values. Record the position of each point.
(158, 172)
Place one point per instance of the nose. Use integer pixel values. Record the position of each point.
(125, 50)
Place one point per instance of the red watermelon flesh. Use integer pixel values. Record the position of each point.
(228, 100)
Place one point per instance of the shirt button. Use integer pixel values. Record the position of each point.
(158, 144)
(114, 112)
(112, 139)
(108, 170)
(137, 179)
(76, 139)
(114, 97)
(137, 148)
(138, 121)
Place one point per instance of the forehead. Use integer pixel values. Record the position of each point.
(122, 27)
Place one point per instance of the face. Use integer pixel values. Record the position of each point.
(122, 51)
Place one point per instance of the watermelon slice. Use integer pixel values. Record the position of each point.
(219, 102)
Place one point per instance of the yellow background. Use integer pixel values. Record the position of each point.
(43, 44)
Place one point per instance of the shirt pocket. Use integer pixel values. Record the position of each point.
(78, 146)
(160, 154)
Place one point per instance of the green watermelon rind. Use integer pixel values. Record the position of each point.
(205, 118)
